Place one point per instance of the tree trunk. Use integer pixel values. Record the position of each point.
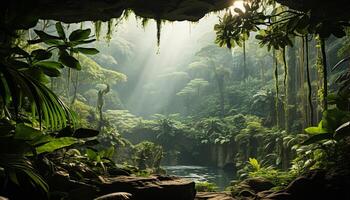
(221, 88)
(244, 62)
(291, 93)
(325, 74)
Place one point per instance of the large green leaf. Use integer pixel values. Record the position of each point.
(49, 39)
(41, 54)
(70, 61)
(316, 130)
(60, 30)
(317, 138)
(56, 144)
(24, 132)
(34, 137)
(75, 43)
(44, 36)
(19, 51)
(49, 64)
(81, 34)
(50, 68)
(89, 51)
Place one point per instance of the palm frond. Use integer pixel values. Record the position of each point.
(16, 164)
(47, 107)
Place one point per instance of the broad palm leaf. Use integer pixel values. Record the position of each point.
(16, 86)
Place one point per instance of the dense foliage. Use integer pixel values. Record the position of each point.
(274, 106)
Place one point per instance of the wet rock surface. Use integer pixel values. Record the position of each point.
(213, 196)
(154, 187)
(257, 184)
(318, 185)
(251, 187)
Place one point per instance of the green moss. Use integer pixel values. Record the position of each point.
(98, 26)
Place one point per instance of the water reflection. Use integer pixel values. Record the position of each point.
(218, 176)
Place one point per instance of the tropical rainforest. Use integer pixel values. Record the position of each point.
(175, 100)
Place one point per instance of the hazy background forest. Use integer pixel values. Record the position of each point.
(205, 100)
(204, 105)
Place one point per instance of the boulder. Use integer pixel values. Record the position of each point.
(153, 187)
(318, 184)
(250, 187)
(314, 180)
(257, 184)
(61, 184)
(213, 196)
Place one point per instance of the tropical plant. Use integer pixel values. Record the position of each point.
(23, 75)
(277, 177)
(254, 164)
(148, 155)
(21, 144)
(206, 187)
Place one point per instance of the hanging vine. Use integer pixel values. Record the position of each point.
(98, 26)
(159, 27)
(110, 29)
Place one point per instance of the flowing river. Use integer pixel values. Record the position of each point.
(218, 176)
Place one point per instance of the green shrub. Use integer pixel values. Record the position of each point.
(206, 187)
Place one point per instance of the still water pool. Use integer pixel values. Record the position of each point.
(218, 176)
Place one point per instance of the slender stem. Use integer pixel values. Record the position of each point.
(301, 72)
(244, 62)
(68, 83)
(325, 74)
(75, 85)
(285, 68)
(277, 89)
(282, 20)
(309, 81)
(285, 102)
(286, 11)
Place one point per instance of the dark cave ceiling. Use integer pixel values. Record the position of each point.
(26, 12)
